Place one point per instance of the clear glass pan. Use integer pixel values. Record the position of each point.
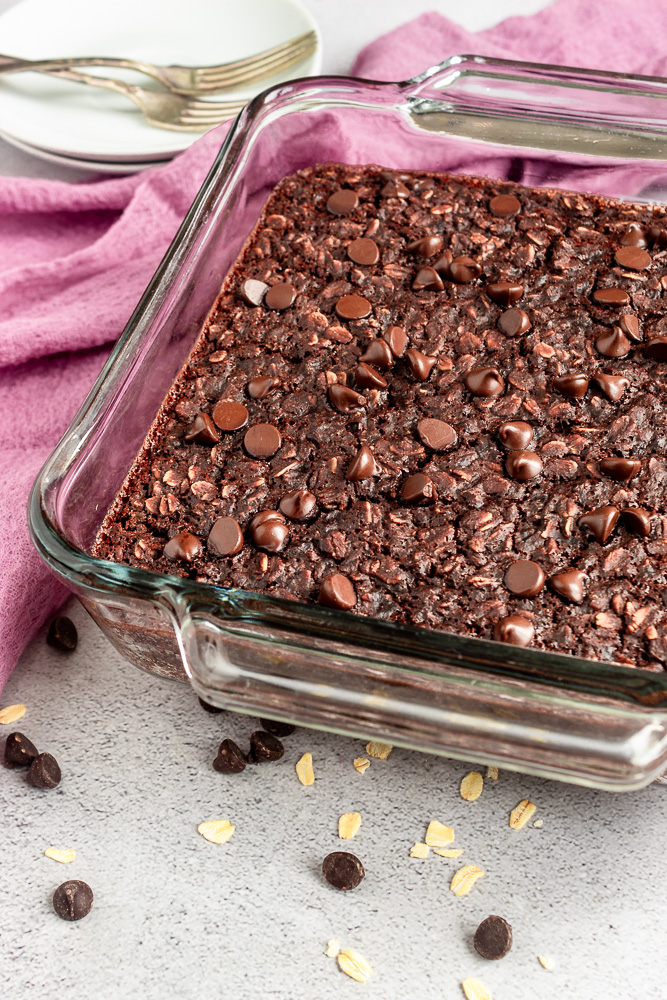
(559, 716)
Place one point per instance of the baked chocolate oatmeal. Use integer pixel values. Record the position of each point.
(429, 399)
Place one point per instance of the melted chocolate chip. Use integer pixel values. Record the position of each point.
(73, 900)
(523, 465)
(514, 629)
(230, 759)
(363, 251)
(229, 415)
(344, 399)
(418, 489)
(484, 381)
(44, 771)
(611, 297)
(427, 279)
(525, 578)
(656, 348)
(262, 440)
(504, 205)
(629, 324)
(613, 343)
(572, 386)
(19, 751)
(252, 291)
(299, 505)
(362, 465)
(637, 520)
(634, 236)
(436, 434)
(515, 434)
(202, 430)
(613, 386)
(514, 322)
(378, 353)
(600, 522)
(264, 748)
(397, 339)
(569, 585)
(353, 306)
(343, 870)
(493, 938)
(504, 293)
(342, 202)
(620, 469)
(367, 377)
(337, 592)
(420, 365)
(395, 189)
(632, 258)
(269, 531)
(425, 247)
(262, 385)
(225, 537)
(183, 546)
(280, 296)
(463, 270)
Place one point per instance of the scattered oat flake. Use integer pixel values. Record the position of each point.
(354, 965)
(304, 769)
(361, 764)
(438, 835)
(492, 773)
(419, 851)
(218, 831)
(538, 824)
(522, 813)
(471, 786)
(348, 825)
(474, 990)
(333, 948)
(12, 713)
(464, 879)
(445, 852)
(379, 750)
(62, 854)
(546, 962)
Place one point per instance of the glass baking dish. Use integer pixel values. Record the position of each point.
(558, 716)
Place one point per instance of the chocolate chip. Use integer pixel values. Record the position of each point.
(463, 270)
(62, 634)
(657, 235)
(637, 520)
(443, 264)
(378, 353)
(269, 531)
(525, 578)
(514, 322)
(44, 771)
(230, 759)
(656, 348)
(633, 258)
(634, 236)
(344, 399)
(611, 297)
(73, 900)
(225, 537)
(523, 465)
(504, 205)
(418, 489)
(484, 381)
(436, 434)
(202, 430)
(342, 202)
(613, 386)
(620, 469)
(395, 189)
(280, 296)
(211, 709)
(252, 291)
(183, 546)
(613, 343)
(572, 386)
(299, 505)
(515, 434)
(504, 293)
(353, 306)
(514, 629)
(420, 365)
(363, 251)
(493, 938)
(343, 870)
(425, 247)
(569, 585)
(427, 279)
(629, 324)
(260, 386)
(19, 751)
(397, 339)
(337, 592)
(367, 377)
(276, 728)
(264, 748)
(600, 522)
(229, 415)
(362, 465)
(262, 440)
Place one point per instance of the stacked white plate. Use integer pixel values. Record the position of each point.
(70, 123)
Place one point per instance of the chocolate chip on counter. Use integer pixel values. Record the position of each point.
(613, 343)
(62, 634)
(493, 938)
(229, 415)
(353, 306)
(425, 247)
(277, 728)
(343, 870)
(514, 629)
(184, 546)
(634, 236)
(201, 430)
(515, 434)
(299, 505)
(504, 205)
(342, 202)
(19, 751)
(427, 279)
(611, 297)
(379, 354)
(262, 440)
(337, 592)
(600, 522)
(225, 537)
(569, 585)
(514, 322)
(525, 578)
(260, 386)
(523, 465)
(437, 435)
(73, 900)
(463, 270)
(420, 365)
(629, 324)
(637, 520)
(395, 189)
(280, 296)
(252, 291)
(504, 293)
(211, 709)
(44, 771)
(418, 489)
(363, 251)
(264, 747)
(269, 531)
(572, 386)
(633, 258)
(656, 348)
(362, 465)
(230, 759)
(367, 377)
(484, 381)
(620, 469)
(397, 339)
(613, 386)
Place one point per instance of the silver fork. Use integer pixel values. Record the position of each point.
(185, 79)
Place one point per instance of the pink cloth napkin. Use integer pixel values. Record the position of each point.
(74, 259)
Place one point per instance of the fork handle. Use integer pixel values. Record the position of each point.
(10, 64)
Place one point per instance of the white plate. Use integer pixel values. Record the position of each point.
(96, 166)
(67, 118)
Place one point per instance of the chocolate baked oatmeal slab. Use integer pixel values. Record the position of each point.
(432, 400)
